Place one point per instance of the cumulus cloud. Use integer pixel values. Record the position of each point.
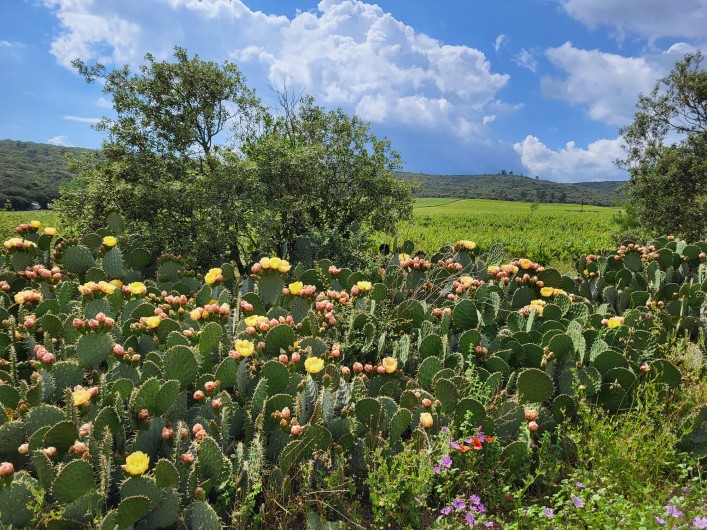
(648, 18)
(571, 163)
(61, 140)
(346, 53)
(80, 119)
(606, 84)
(104, 103)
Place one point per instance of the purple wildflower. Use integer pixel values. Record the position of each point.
(579, 503)
(580, 485)
(660, 521)
(474, 499)
(488, 524)
(437, 469)
(453, 444)
(444, 428)
(480, 434)
(446, 510)
(687, 490)
(459, 504)
(549, 512)
(481, 507)
(446, 462)
(700, 522)
(470, 520)
(673, 511)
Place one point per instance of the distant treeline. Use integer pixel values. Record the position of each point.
(508, 187)
(31, 173)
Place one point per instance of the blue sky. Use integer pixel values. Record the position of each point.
(538, 87)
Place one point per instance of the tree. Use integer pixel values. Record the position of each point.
(184, 185)
(668, 186)
(327, 177)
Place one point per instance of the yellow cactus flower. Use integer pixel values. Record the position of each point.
(195, 314)
(389, 364)
(212, 276)
(296, 287)
(264, 263)
(137, 288)
(117, 283)
(106, 288)
(245, 348)
(35, 224)
(137, 463)
(426, 420)
(88, 288)
(493, 269)
(251, 321)
(555, 292)
(314, 365)
(28, 297)
(403, 257)
(284, 266)
(466, 280)
(80, 395)
(525, 264)
(547, 291)
(50, 231)
(110, 241)
(275, 262)
(364, 286)
(466, 244)
(614, 322)
(153, 322)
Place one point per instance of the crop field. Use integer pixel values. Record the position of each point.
(550, 233)
(9, 220)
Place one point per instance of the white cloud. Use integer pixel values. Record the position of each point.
(526, 59)
(649, 18)
(346, 53)
(104, 103)
(606, 84)
(92, 121)
(61, 140)
(571, 164)
(499, 42)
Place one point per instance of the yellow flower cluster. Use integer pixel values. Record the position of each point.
(17, 243)
(538, 305)
(465, 244)
(550, 291)
(525, 264)
(89, 288)
(296, 287)
(35, 224)
(80, 395)
(508, 269)
(50, 231)
(255, 320)
(29, 296)
(151, 322)
(211, 309)
(214, 275)
(390, 364)
(110, 241)
(614, 322)
(275, 263)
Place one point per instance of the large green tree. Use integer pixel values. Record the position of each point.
(197, 166)
(668, 186)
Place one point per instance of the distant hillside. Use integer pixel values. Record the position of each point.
(606, 185)
(514, 188)
(32, 173)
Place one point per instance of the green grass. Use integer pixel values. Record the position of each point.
(550, 233)
(9, 220)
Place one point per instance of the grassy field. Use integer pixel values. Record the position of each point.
(550, 233)
(9, 220)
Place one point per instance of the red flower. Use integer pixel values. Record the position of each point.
(476, 443)
(463, 448)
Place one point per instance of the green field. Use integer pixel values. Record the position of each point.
(9, 220)
(550, 233)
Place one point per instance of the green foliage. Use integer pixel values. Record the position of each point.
(668, 182)
(168, 400)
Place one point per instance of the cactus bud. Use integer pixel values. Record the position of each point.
(23, 449)
(187, 458)
(645, 368)
(295, 430)
(143, 415)
(426, 420)
(532, 426)
(210, 386)
(85, 429)
(199, 395)
(286, 413)
(531, 414)
(215, 404)
(196, 428)
(295, 357)
(6, 469)
(427, 403)
(49, 451)
(358, 367)
(284, 359)
(167, 433)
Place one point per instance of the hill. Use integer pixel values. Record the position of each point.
(513, 188)
(32, 173)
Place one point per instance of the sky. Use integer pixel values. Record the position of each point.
(537, 87)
